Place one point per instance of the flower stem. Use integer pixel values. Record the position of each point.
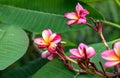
(104, 41)
(103, 69)
(117, 2)
(111, 24)
(89, 25)
(76, 75)
(115, 40)
(69, 58)
(116, 69)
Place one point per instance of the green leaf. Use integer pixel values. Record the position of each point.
(56, 69)
(68, 43)
(34, 21)
(53, 69)
(13, 45)
(26, 70)
(48, 6)
(51, 16)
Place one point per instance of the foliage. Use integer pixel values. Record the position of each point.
(26, 70)
(13, 45)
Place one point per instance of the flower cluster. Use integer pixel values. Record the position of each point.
(51, 43)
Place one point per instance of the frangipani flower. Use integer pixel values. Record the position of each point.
(80, 52)
(79, 16)
(48, 55)
(112, 57)
(49, 40)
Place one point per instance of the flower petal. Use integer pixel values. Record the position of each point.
(45, 54)
(81, 21)
(56, 38)
(50, 57)
(71, 15)
(117, 48)
(42, 46)
(109, 55)
(46, 34)
(70, 22)
(75, 52)
(52, 37)
(90, 52)
(40, 41)
(111, 63)
(78, 9)
(82, 46)
(52, 47)
(83, 13)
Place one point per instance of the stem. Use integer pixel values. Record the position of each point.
(116, 69)
(93, 65)
(102, 69)
(115, 40)
(117, 2)
(111, 24)
(104, 41)
(69, 58)
(79, 71)
(96, 74)
(76, 70)
(76, 75)
(89, 25)
(60, 55)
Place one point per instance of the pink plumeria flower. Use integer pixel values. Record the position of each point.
(80, 52)
(48, 55)
(79, 16)
(49, 40)
(112, 57)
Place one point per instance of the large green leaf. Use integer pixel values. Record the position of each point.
(49, 6)
(26, 70)
(49, 15)
(13, 45)
(56, 69)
